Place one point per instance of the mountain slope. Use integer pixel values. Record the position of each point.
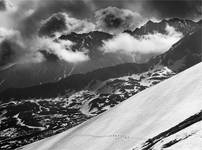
(74, 82)
(23, 75)
(47, 109)
(141, 117)
(25, 120)
(182, 55)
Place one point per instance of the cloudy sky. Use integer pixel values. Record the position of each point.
(105, 14)
(27, 23)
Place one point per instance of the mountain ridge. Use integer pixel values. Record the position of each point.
(54, 69)
(188, 50)
(184, 26)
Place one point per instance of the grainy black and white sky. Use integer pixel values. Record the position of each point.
(30, 12)
(24, 21)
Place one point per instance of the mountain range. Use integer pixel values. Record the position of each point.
(54, 69)
(35, 112)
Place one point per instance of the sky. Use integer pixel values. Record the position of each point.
(26, 22)
(30, 12)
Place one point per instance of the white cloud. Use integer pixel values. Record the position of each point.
(156, 43)
(77, 25)
(62, 49)
(5, 33)
(15, 50)
(5, 5)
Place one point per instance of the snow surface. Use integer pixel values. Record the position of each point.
(189, 139)
(142, 116)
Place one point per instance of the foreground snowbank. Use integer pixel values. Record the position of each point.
(139, 118)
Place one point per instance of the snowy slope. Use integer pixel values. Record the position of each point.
(51, 108)
(28, 120)
(148, 114)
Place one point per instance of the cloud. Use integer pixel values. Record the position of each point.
(9, 45)
(189, 9)
(44, 9)
(14, 18)
(62, 50)
(61, 23)
(19, 30)
(115, 20)
(5, 5)
(5, 33)
(30, 13)
(14, 50)
(145, 45)
(21, 24)
(173, 8)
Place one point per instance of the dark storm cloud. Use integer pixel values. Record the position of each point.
(45, 8)
(4, 5)
(157, 8)
(173, 8)
(100, 4)
(27, 16)
(24, 21)
(115, 20)
(6, 52)
(84, 9)
(13, 51)
(55, 23)
(61, 23)
(76, 8)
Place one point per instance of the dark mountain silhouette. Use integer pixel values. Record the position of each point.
(74, 82)
(91, 41)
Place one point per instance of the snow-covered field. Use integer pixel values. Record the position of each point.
(157, 116)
